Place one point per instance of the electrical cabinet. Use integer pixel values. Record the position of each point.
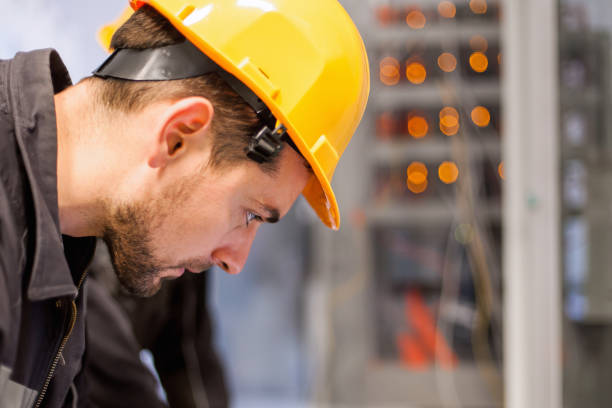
(410, 289)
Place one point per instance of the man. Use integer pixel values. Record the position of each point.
(174, 153)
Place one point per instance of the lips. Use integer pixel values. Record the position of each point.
(193, 268)
(176, 272)
(197, 269)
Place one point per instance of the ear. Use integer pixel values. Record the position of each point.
(184, 125)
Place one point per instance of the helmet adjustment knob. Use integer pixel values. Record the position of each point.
(266, 144)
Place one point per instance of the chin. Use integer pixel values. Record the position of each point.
(142, 288)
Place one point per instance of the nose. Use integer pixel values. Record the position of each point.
(232, 254)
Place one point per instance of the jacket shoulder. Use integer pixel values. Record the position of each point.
(10, 236)
(13, 188)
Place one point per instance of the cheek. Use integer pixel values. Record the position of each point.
(185, 232)
(198, 216)
(193, 228)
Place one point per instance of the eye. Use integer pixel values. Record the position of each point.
(251, 216)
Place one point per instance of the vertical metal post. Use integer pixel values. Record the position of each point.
(532, 298)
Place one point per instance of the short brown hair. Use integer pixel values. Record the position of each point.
(234, 122)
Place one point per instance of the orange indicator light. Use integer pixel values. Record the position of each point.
(481, 116)
(389, 71)
(448, 172)
(418, 127)
(447, 62)
(478, 6)
(416, 19)
(479, 43)
(447, 9)
(416, 180)
(479, 62)
(449, 121)
(416, 73)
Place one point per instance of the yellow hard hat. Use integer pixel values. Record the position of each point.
(304, 59)
(105, 34)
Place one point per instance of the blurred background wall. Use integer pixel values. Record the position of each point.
(68, 26)
(404, 306)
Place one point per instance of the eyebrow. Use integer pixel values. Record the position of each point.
(273, 215)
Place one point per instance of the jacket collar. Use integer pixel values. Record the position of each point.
(34, 78)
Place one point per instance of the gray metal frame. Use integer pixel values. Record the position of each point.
(532, 312)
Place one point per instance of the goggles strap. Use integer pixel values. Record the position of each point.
(184, 60)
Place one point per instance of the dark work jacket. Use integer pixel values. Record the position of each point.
(42, 332)
(174, 324)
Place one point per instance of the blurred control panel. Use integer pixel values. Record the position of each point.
(434, 213)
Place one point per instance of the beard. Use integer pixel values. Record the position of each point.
(128, 237)
(128, 233)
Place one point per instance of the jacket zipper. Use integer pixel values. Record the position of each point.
(57, 355)
(73, 318)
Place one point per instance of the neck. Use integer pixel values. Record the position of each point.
(80, 187)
